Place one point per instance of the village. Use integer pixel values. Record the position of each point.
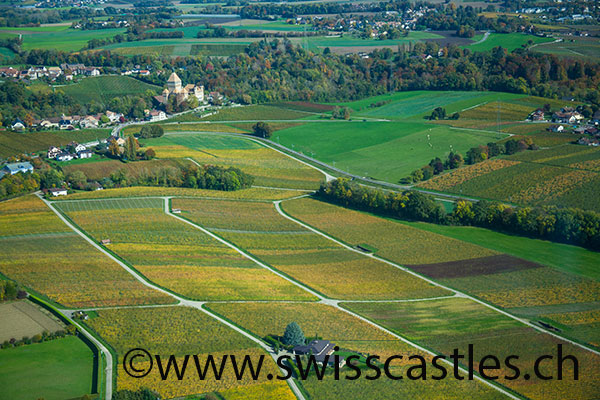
(568, 119)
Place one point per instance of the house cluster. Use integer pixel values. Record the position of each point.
(16, 168)
(320, 349)
(71, 122)
(33, 73)
(73, 150)
(567, 115)
(181, 93)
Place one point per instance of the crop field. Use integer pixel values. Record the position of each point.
(178, 331)
(400, 243)
(23, 318)
(102, 89)
(188, 127)
(585, 48)
(100, 169)
(176, 255)
(383, 150)
(145, 191)
(348, 333)
(256, 112)
(73, 273)
(509, 41)
(58, 37)
(269, 167)
(302, 254)
(216, 49)
(564, 176)
(447, 324)
(12, 143)
(55, 370)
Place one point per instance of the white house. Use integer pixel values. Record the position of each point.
(58, 191)
(64, 156)
(113, 116)
(85, 154)
(18, 125)
(157, 115)
(53, 151)
(88, 122)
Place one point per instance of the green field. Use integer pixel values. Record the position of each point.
(585, 48)
(102, 89)
(12, 143)
(58, 37)
(55, 370)
(509, 41)
(386, 151)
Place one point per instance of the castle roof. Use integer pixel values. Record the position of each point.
(174, 78)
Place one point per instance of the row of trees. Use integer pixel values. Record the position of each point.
(474, 155)
(565, 225)
(206, 177)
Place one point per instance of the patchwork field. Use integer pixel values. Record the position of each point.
(102, 89)
(351, 334)
(507, 281)
(55, 370)
(306, 256)
(104, 168)
(447, 324)
(269, 167)
(72, 273)
(180, 331)
(564, 176)
(174, 254)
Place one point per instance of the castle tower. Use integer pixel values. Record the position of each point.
(174, 83)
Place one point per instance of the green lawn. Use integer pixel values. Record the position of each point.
(58, 37)
(384, 150)
(104, 88)
(418, 103)
(509, 41)
(563, 257)
(55, 370)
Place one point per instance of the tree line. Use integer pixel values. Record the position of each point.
(474, 155)
(564, 225)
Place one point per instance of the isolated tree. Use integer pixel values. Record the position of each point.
(293, 335)
(149, 154)
(262, 129)
(151, 131)
(113, 148)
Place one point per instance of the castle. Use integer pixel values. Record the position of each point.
(182, 93)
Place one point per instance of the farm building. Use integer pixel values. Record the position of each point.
(18, 125)
(319, 349)
(85, 154)
(15, 168)
(58, 191)
(64, 156)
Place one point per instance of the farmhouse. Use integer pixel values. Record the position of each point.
(156, 115)
(85, 154)
(175, 88)
(556, 128)
(320, 349)
(18, 125)
(64, 156)
(76, 147)
(58, 191)
(88, 122)
(53, 151)
(15, 168)
(537, 115)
